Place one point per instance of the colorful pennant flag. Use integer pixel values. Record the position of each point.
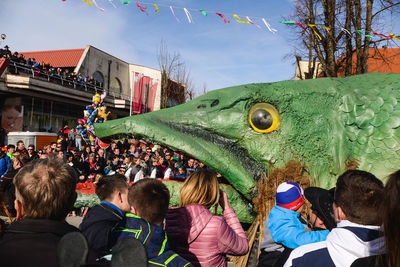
(222, 16)
(203, 12)
(316, 33)
(99, 8)
(238, 19)
(255, 24)
(88, 2)
(380, 34)
(394, 36)
(366, 35)
(269, 26)
(143, 9)
(155, 5)
(173, 13)
(188, 15)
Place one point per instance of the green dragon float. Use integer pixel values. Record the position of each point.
(245, 131)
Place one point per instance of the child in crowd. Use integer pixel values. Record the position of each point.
(284, 228)
(149, 200)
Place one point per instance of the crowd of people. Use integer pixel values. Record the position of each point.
(46, 70)
(354, 224)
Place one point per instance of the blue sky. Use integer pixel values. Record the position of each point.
(217, 54)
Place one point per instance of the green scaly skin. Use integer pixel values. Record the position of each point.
(323, 123)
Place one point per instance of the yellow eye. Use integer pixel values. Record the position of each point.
(264, 118)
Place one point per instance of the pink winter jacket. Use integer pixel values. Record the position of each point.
(203, 238)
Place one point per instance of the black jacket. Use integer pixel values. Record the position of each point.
(97, 225)
(31, 242)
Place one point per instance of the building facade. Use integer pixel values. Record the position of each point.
(34, 97)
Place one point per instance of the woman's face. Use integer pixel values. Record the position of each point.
(87, 149)
(91, 158)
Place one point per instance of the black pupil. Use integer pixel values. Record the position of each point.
(261, 119)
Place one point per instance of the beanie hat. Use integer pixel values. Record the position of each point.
(289, 195)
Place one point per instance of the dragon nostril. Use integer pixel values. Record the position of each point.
(214, 103)
(201, 106)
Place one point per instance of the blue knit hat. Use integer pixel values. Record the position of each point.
(289, 195)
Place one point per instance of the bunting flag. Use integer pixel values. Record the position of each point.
(158, 12)
(319, 25)
(394, 36)
(288, 22)
(239, 20)
(173, 13)
(143, 9)
(188, 15)
(346, 31)
(99, 8)
(365, 35)
(88, 2)
(380, 34)
(269, 26)
(203, 12)
(112, 3)
(255, 24)
(222, 16)
(301, 26)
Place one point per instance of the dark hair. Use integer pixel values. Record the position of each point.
(391, 219)
(10, 146)
(47, 189)
(359, 194)
(150, 198)
(19, 142)
(33, 146)
(108, 185)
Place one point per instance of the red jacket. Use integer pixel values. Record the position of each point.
(203, 238)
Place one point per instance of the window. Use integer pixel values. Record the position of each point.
(98, 76)
(115, 88)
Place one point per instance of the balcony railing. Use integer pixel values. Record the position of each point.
(35, 73)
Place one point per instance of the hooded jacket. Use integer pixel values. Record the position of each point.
(203, 238)
(97, 225)
(153, 238)
(285, 228)
(346, 243)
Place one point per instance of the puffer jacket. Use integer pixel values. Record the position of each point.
(203, 238)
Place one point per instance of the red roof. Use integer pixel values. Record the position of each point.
(384, 60)
(57, 58)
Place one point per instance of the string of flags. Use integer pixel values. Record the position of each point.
(141, 6)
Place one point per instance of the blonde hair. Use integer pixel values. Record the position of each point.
(200, 187)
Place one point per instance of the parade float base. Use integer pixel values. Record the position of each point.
(88, 198)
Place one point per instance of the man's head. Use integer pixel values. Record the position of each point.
(358, 196)
(149, 199)
(45, 189)
(11, 149)
(117, 151)
(58, 147)
(20, 145)
(53, 146)
(114, 189)
(101, 153)
(190, 162)
(31, 149)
